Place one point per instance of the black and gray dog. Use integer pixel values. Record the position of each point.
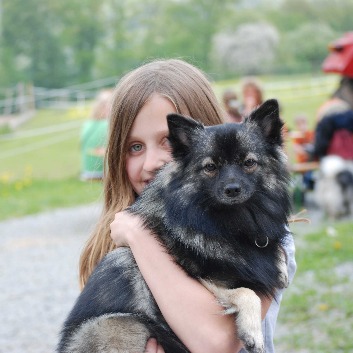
(220, 209)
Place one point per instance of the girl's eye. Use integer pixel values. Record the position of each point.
(210, 167)
(137, 147)
(250, 163)
(165, 142)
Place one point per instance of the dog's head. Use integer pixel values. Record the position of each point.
(228, 164)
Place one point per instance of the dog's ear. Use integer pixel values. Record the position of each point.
(266, 116)
(181, 132)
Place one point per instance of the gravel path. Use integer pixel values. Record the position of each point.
(38, 276)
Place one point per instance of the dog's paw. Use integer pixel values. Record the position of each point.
(253, 342)
(248, 320)
(247, 306)
(250, 333)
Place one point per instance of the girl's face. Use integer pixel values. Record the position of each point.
(148, 146)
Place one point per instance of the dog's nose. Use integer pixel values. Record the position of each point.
(232, 190)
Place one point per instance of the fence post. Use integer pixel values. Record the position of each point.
(31, 104)
(8, 101)
(20, 98)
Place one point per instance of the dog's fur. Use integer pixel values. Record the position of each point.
(220, 209)
(334, 187)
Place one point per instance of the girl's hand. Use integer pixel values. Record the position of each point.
(152, 346)
(125, 226)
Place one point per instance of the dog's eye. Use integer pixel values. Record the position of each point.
(250, 163)
(210, 167)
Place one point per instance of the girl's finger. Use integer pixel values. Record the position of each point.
(152, 346)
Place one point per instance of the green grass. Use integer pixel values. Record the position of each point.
(41, 171)
(317, 309)
(51, 154)
(27, 196)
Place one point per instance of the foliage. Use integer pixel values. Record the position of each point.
(118, 51)
(45, 37)
(335, 13)
(186, 28)
(81, 26)
(55, 44)
(312, 52)
(249, 50)
(28, 33)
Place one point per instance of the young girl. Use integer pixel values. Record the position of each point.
(137, 148)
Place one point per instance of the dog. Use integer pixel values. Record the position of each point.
(333, 191)
(220, 209)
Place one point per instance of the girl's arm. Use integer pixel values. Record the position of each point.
(189, 308)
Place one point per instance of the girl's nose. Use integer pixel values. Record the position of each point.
(154, 160)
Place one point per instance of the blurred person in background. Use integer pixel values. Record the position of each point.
(334, 130)
(303, 143)
(231, 105)
(94, 137)
(339, 61)
(252, 95)
(302, 138)
(334, 135)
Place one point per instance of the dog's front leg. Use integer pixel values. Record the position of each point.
(247, 306)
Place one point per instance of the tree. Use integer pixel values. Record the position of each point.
(249, 50)
(28, 36)
(52, 43)
(184, 29)
(120, 47)
(58, 43)
(81, 28)
(335, 13)
(305, 48)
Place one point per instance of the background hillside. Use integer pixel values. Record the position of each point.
(56, 44)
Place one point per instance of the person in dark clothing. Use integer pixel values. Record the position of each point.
(334, 135)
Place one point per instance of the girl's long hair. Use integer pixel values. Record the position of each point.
(191, 93)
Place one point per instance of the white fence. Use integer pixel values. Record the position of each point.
(22, 98)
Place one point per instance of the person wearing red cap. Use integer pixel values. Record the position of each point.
(340, 59)
(334, 130)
